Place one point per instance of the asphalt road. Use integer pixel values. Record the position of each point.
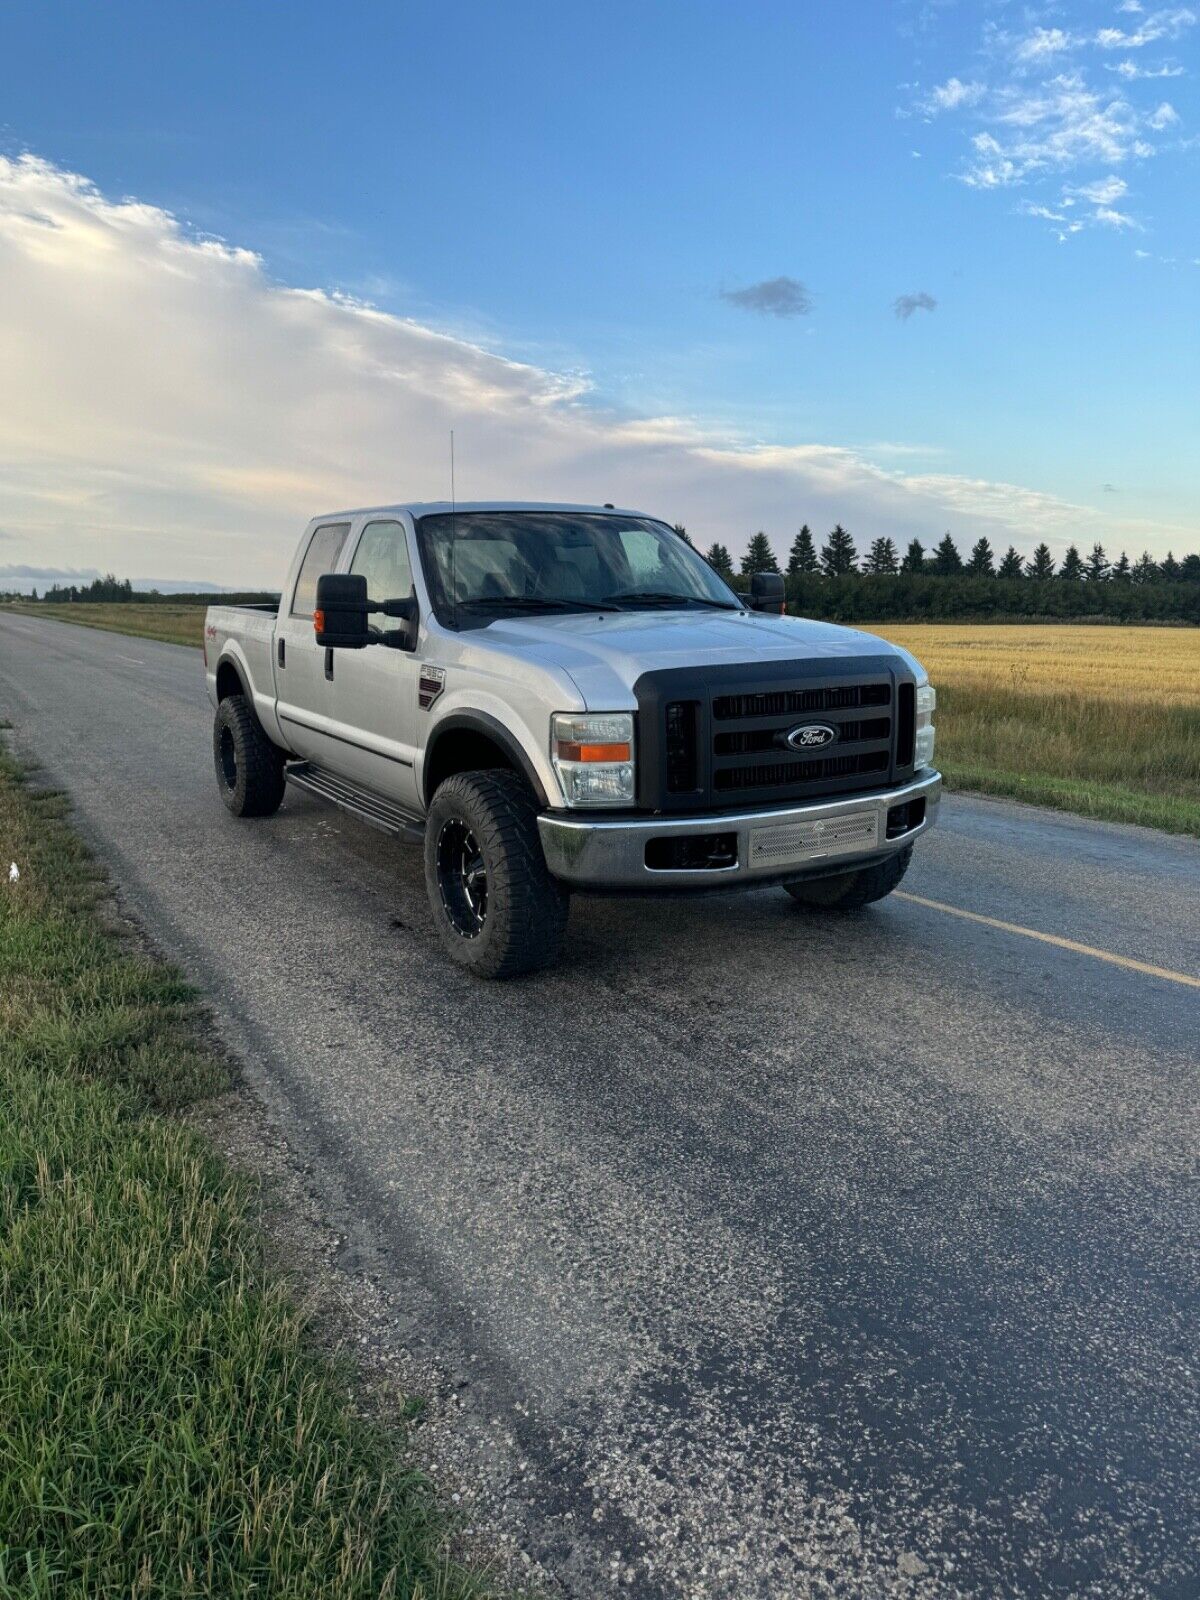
(774, 1254)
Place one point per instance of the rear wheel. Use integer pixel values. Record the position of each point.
(848, 891)
(497, 910)
(249, 767)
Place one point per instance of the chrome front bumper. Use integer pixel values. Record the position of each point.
(785, 842)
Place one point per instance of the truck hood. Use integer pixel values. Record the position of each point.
(606, 654)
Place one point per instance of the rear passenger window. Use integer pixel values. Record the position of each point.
(322, 554)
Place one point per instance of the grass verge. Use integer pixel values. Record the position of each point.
(158, 620)
(165, 1430)
(1114, 760)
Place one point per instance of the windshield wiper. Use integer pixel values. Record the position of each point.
(532, 602)
(661, 597)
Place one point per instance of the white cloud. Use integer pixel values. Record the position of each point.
(1132, 72)
(1102, 192)
(1042, 44)
(952, 95)
(1113, 219)
(1167, 24)
(169, 408)
(1165, 116)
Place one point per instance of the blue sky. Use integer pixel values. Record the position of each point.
(599, 193)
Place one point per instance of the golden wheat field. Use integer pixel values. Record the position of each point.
(1099, 720)
(1151, 666)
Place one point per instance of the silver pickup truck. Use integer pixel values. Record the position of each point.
(560, 698)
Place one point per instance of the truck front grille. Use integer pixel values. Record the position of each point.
(717, 737)
(786, 774)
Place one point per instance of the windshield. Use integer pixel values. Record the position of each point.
(483, 564)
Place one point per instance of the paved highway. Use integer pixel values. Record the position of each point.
(774, 1254)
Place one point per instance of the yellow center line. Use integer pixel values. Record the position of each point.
(1053, 938)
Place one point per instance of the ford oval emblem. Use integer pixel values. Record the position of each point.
(811, 736)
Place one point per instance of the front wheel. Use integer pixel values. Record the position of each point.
(848, 891)
(497, 909)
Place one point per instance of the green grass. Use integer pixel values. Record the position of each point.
(166, 1430)
(1114, 760)
(171, 624)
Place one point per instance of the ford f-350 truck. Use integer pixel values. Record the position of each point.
(556, 698)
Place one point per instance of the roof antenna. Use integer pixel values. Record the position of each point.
(453, 536)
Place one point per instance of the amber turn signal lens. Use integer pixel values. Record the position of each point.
(569, 751)
(318, 622)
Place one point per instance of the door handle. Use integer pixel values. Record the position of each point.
(329, 663)
(281, 652)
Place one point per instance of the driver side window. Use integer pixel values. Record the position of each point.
(382, 559)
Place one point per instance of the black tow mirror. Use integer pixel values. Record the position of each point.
(405, 636)
(767, 593)
(340, 618)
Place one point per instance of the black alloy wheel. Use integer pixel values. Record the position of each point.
(462, 878)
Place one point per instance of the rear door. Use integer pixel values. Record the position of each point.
(303, 689)
(374, 695)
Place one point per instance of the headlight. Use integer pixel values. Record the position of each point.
(593, 757)
(923, 745)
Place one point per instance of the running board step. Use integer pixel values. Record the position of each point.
(370, 808)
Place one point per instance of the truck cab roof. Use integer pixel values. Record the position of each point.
(428, 508)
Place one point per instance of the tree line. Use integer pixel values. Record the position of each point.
(835, 582)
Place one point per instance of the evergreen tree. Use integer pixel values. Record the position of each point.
(881, 558)
(1072, 569)
(1012, 566)
(683, 533)
(1121, 569)
(759, 556)
(33, 594)
(839, 555)
(1144, 570)
(1189, 569)
(718, 556)
(803, 555)
(1168, 568)
(1098, 567)
(982, 563)
(1042, 564)
(946, 559)
(914, 557)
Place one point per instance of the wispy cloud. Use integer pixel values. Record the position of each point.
(1101, 192)
(773, 297)
(1112, 218)
(1042, 45)
(951, 96)
(1043, 111)
(904, 305)
(1133, 72)
(1165, 116)
(1166, 24)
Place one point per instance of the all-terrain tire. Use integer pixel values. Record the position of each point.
(497, 910)
(249, 767)
(849, 891)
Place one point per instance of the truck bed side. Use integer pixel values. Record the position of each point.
(242, 639)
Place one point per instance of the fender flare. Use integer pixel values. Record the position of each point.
(481, 722)
(230, 659)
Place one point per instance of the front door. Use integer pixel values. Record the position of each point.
(374, 695)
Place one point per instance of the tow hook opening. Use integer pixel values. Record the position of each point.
(692, 852)
(902, 819)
